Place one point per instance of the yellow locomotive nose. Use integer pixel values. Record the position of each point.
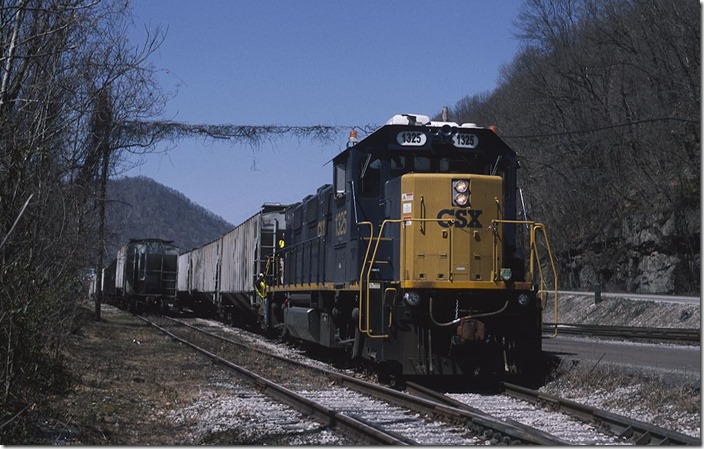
(447, 234)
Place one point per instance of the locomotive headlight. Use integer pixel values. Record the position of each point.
(460, 192)
(412, 298)
(523, 299)
(506, 274)
(460, 185)
(461, 199)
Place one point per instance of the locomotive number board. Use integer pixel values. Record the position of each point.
(419, 139)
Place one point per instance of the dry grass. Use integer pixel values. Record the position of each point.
(658, 400)
(128, 385)
(117, 400)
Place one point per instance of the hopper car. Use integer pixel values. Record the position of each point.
(143, 276)
(219, 277)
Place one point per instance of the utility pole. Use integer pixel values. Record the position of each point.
(102, 126)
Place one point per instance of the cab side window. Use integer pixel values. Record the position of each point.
(370, 178)
(397, 166)
(340, 179)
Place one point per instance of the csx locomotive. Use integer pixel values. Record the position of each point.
(413, 257)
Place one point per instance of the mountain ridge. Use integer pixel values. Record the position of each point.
(139, 207)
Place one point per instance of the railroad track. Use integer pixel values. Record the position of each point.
(637, 431)
(631, 333)
(356, 429)
(365, 412)
(621, 427)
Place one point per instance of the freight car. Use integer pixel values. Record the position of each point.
(142, 276)
(219, 277)
(412, 258)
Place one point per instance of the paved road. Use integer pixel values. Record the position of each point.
(681, 360)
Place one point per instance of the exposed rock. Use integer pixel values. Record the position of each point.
(651, 253)
(657, 273)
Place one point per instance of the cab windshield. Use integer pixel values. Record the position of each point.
(402, 164)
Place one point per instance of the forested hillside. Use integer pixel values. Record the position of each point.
(603, 106)
(142, 208)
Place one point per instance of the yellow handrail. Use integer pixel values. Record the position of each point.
(361, 276)
(534, 250)
(368, 262)
(368, 331)
(534, 227)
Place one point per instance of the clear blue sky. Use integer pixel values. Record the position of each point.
(265, 62)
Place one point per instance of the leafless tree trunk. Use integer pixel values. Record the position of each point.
(102, 127)
(67, 74)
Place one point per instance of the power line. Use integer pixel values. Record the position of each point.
(602, 128)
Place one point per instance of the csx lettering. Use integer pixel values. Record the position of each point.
(460, 218)
(341, 223)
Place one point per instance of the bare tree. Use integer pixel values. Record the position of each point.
(603, 104)
(67, 74)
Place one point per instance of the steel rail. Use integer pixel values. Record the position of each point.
(493, 429)
(639, 432)
(353, 428)
(653, 333)
(489, 426)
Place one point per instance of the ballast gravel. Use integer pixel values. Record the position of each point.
(231, 414)
(395, 419)
(566, 428)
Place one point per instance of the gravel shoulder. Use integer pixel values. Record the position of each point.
(581, 309)
(660, 399)
(132, 386)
